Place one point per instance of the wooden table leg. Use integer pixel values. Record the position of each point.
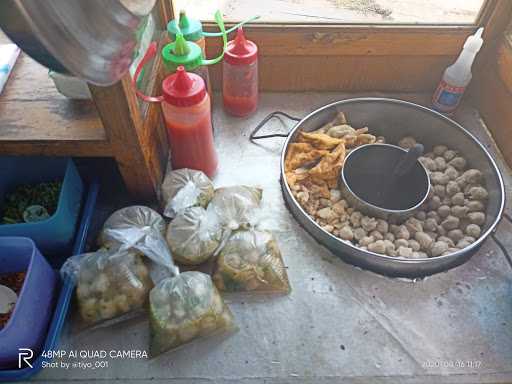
(138, 145)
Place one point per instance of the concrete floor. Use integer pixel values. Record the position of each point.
(339, 322)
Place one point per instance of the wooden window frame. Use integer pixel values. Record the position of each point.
(359, 57)
(491, 89)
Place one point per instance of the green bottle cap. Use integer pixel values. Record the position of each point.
(191, 29)
(182, 52)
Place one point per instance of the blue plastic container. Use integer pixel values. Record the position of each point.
(55, 235)
(28, 323)
(65, 291)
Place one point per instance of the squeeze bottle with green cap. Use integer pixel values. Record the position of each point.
(457, 76)
(190, 55)
(191, 29)
(187, 115)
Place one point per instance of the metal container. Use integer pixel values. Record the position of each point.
(395, 119)
(366, 180)
(94, 39)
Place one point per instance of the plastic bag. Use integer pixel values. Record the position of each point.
(141, 228)
(110, 283)
(184, 188)
(236, 206)
(136, 216)
(251, 261)
(184, 308)
(193, 236)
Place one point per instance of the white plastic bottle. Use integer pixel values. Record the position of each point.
(457, 76)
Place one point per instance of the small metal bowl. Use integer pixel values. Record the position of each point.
(368, 186)
(395, 119)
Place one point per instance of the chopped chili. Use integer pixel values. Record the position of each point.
(13, 281)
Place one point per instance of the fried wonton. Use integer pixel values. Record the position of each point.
(300, 154)
(329, 166)
(319, 140)
(333, 183)
(314, 162)
(294, 178)
(338, 120)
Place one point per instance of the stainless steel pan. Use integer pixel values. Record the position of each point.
(395, 119)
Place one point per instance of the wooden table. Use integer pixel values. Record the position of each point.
(37, 120)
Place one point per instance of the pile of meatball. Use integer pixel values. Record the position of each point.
(451, 218)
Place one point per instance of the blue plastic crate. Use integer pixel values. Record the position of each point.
(54, 235)
(65, 289)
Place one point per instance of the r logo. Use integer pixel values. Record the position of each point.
(25, 354)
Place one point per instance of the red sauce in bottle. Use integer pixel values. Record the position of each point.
(240, 76)
(186, 109)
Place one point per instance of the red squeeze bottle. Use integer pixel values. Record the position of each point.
(240, 76)
(186, 110)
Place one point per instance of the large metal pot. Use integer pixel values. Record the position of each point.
(395, 119)
(92, 39)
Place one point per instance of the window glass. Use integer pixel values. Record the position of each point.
(339, 11)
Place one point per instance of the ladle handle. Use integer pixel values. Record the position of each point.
(406, 163)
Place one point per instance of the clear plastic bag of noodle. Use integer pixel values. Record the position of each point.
(110, 284)
(184, 188)
(184, 308)
(251, 261)
(236, 206)
(193, 236)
